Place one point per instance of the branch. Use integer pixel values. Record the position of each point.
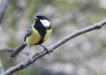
(54, 46)
(3, 9)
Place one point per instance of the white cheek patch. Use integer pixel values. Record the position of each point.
(45, 23)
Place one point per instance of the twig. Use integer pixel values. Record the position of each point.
(3, 9)
(54, 46)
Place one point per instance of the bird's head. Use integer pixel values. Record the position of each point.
(43, 19)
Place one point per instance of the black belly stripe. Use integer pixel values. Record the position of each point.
(42, 38)
(40, 41)
(42, 32)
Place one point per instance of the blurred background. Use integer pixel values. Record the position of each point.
(83, 55)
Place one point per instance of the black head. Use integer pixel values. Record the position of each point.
(42, 21)
(41, 17)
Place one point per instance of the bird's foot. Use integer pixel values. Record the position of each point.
(31, 60)
(46, 49)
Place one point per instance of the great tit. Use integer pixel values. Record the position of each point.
(37, 34)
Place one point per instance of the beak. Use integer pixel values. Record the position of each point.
(35, 18)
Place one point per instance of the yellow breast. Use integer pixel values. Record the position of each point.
(48, 33)
(33, 38)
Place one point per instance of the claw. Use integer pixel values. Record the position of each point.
(31, 60)
(46, 49)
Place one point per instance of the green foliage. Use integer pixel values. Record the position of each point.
(32, 9)
(11, 8)
(45, 1)
(67, 5)
(23, 72)
(13, 24)
(13, 42)
(28, 72)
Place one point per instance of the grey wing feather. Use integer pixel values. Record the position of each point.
(28, 33)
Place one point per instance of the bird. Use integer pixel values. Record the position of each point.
(36, 34)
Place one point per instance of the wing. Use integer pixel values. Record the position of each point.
(28, 33)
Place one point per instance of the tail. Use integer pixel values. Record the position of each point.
(18, 50)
